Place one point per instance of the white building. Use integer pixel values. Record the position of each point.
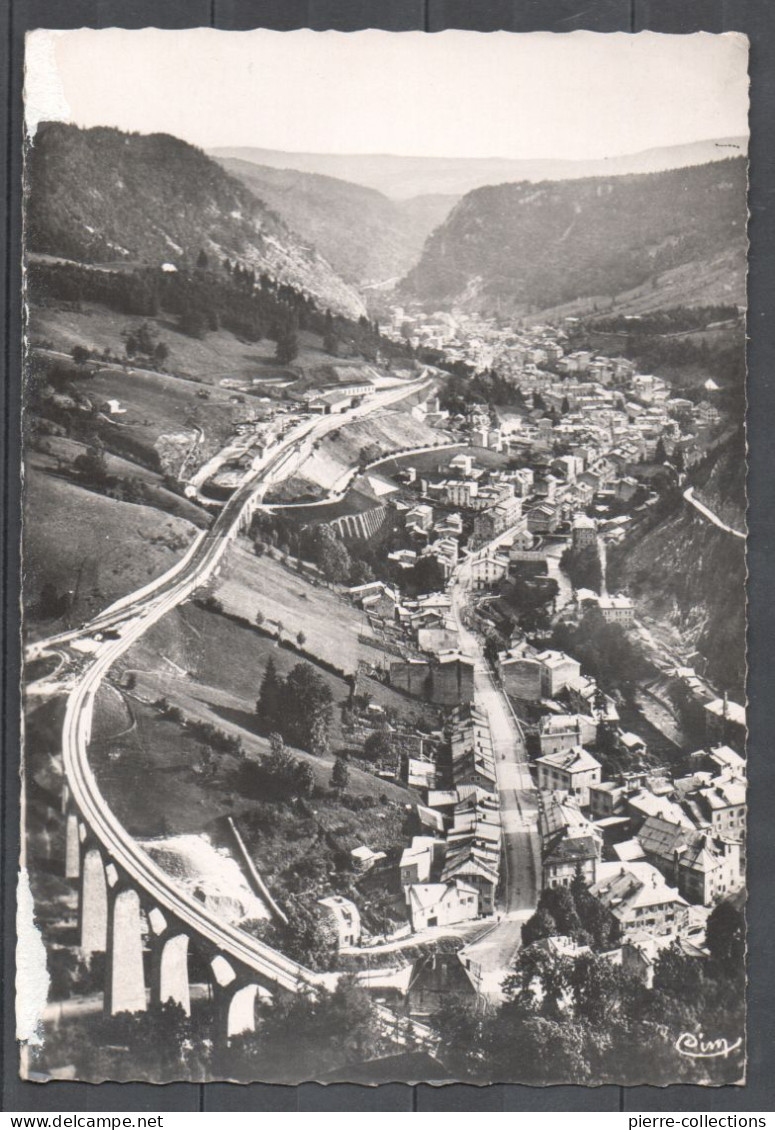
(617, 610)
(442, 904)
(345, 918)
(569, 770)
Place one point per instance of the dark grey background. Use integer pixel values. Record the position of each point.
(757, 19)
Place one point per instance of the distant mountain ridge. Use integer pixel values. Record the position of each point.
(524, 247)
(366, 237)
(101, 195)
(403, 177)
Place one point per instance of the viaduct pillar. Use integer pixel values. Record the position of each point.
(169, 964)
(93, 910)
(125, 988)
(235, 1001)
(72, 847)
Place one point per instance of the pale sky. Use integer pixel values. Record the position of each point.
(450, 94)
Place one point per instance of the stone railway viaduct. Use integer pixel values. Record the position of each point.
(128, 908)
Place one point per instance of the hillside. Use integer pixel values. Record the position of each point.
(525, 246)
(716, 279)
(719, 481)
(681, 568)
(100, 195)
(83, 550)
(366, 237)
(401, 177)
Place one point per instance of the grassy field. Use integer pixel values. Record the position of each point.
(425, 461)
(210, 659)
(93, 547)
(159, 404)
(158, 783)
(62, 451)
(219, 355)
(330, 622)
(358, 500)
(211, 668)
(174, 402)
(152, 777)
(334, 628)
(216, 356)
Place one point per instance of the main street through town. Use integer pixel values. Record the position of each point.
(492, 956)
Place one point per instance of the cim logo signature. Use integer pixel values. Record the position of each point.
(699, 1047)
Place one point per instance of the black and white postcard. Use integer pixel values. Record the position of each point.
(384, 557)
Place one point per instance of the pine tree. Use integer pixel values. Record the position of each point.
(287, 342)
(161, 353)
(340, 775)
(269, 705)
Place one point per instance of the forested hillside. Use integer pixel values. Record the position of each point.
(100, 195)
(531, 246)
(686, 570)
(366, 237)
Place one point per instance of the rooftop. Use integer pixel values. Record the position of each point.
(625, 886)
(575, 760)
(723, 708)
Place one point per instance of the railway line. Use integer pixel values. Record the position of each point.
(126, 621)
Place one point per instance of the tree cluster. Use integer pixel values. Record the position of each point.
(667, 320)
(583, 566)
(298, 707)
(307, 1035)
(286, 334)
(306, 937)
(143, 341)
(606, 651)
(466, 388)
(585, 1020)
(288, 775)
(202, 301)
(572, 912)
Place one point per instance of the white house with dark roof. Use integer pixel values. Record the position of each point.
(564, 857)
(617, 609)
(557, 670)
(476, 866)
(420, 860)
(569, 770)
(725, 720)
(639, 898)
(558, 732)
(584, 531)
